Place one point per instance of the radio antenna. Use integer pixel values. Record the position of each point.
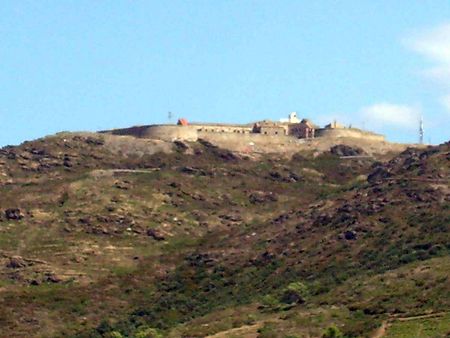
(421, 130)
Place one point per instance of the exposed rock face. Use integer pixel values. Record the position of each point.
(53, 278)
(344, 150)
(123, 185)
(206, 143)
(292, 297)
(155, 234)
(379, 174)
(289, 177)
(13, 214)
(262, 197)
(16, 262)
(350, 235)
(193, 171)
(200, 260)
(181, 146)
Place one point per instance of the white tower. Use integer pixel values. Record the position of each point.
(293, 117)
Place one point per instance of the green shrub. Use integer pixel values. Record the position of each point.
(296, 292)
(269, 302)
(332, 332)
(147, 332)
(114, 334)
(250, 320)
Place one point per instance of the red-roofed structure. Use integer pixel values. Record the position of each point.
(182, 122)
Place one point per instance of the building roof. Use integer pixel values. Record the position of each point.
(182, 122)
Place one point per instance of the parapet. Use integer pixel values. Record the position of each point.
(348, 132)
(162, 132)
(192, 132)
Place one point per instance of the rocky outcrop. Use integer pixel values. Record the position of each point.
(16, 262)
(13, 214)
(155, 234)
(259, 197)
(344, 150)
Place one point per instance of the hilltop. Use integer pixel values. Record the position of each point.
(108, 236)
(286, 137)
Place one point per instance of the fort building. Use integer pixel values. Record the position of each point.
(291, 127)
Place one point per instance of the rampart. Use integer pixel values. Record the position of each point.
(250, 142)
(349, 133)
(241, 138)
(241, 135)
(160, 132)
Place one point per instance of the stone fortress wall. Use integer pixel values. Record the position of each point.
(242, 133)
(194, 132)
(161, 132)
(349, 132)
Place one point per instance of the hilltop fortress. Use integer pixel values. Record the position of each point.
(290, 130)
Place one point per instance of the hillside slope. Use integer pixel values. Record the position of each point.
(106, 236)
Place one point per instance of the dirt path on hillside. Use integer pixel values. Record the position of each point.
(381, 331)
(246, 331)
(111, 172)
(431, 315)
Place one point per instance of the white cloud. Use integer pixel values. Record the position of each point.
(434, 45)
(388, 114)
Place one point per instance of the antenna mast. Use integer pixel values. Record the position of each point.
(421, 131)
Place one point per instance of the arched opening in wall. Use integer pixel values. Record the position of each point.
(265, 133)
(276, 133)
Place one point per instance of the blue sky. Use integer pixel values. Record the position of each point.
(91, 65)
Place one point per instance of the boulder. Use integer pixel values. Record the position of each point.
(181, 146)
(193, 171)
(16, 262)
(94, 141)
(155, 234)
(350, 235)
(262, 197)
(225, 155)
(123, 185)
(292, 297)
(53, 278)
(344, 150)
(13, 214)
(175, 185)
(206, 144)
(378, 175)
